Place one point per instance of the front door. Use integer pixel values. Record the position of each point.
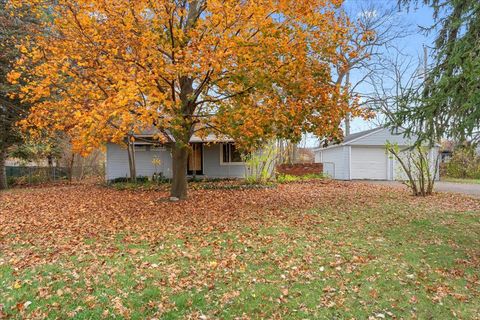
(195, 160)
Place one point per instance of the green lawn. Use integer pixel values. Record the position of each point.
(322, 251)
(458, 180)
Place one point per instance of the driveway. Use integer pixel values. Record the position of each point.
(440, 186)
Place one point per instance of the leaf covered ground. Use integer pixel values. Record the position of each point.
(310, 250)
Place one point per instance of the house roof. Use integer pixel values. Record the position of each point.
(209, 138)
(355, 136)
(352, 137)
(397, 136)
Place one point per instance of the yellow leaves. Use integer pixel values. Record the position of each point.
(156, 161)
(353, 54)
(23, 49)
(119, 70)
(368, 35)
(17, 284)
(13, 77)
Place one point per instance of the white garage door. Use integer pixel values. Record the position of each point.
(369, 163)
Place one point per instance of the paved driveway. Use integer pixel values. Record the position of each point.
(469, 189)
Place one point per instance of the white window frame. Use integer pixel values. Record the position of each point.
(222, 163)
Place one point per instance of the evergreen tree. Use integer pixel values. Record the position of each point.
(14, 26)
(450, 97)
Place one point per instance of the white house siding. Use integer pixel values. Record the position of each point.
(365, 157)
(212, 167)
(117, 162)
(336, 161)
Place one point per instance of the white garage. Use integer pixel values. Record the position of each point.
(363, 156)
(369, 163)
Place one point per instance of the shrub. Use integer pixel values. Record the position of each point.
(140, 180)
(159, 178)
(27, 180)
(259, 164)
(464, 164)
(419, 166)
(12, 181)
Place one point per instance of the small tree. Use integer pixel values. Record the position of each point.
(30, 150)
(260, 165)
(419, 165)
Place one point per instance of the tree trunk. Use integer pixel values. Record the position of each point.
(131, 160)
(50, 176)
(412, 184)
(3, 174)
(82, 169)
(179, 168)
(70, 168)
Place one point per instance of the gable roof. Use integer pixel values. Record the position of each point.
(352, 137)
(355, 136)
(397, 136)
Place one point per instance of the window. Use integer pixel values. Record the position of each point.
(145, 146)
(230, 154)
(141, 147)
(157, 148)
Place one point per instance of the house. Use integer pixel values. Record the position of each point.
(211, 157)
(363, 155)
(16, 162)
(305, 155)
(446, 150)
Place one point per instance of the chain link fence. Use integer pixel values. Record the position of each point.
(35, 175)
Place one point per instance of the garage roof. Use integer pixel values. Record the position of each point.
(355, 136)
(352, 137)
(376, 137)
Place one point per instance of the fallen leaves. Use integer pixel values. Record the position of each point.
(224, 245)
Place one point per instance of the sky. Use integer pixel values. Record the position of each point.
(411, 45)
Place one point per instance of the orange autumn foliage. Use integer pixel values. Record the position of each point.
(257, 68)
(254, 70)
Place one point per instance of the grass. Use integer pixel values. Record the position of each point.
(378, 257)
(461, 180)
(286, 178)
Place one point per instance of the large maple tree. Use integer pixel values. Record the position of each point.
(253, 70)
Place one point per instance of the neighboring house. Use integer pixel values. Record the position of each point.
(445, 156)
(305, 155)
(15, 162)
(211, 157)
(363, 155)
(446, 150)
